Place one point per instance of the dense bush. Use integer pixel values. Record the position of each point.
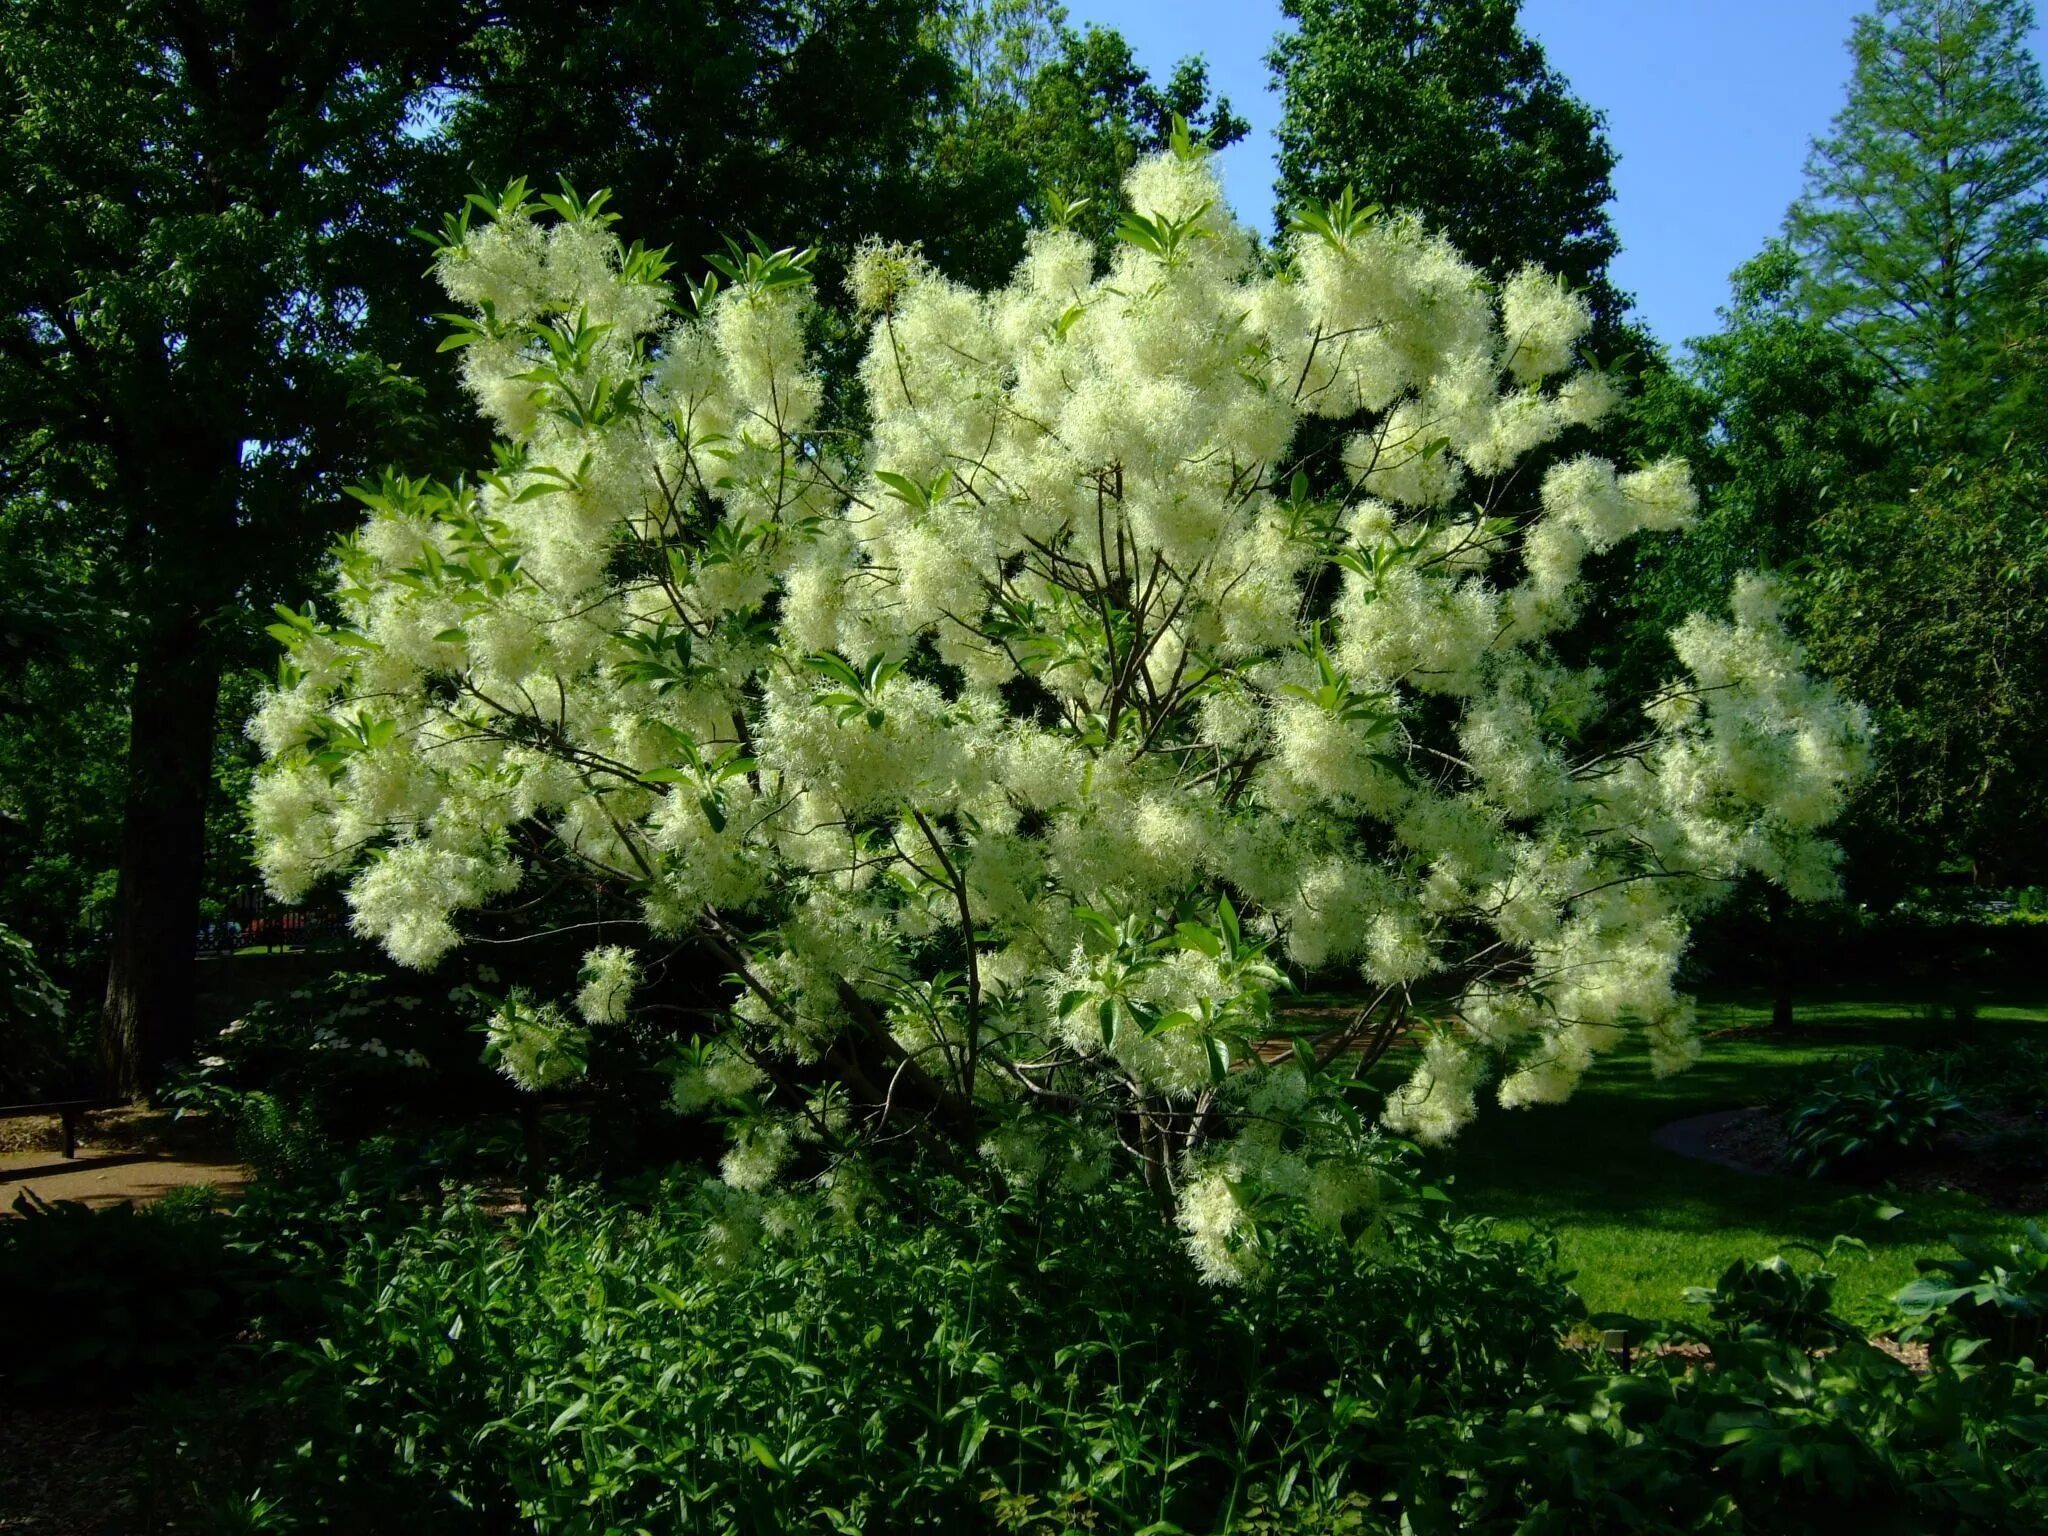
(35, 1054)
(959, 1367)
(1875, 1112)
(945, 1364)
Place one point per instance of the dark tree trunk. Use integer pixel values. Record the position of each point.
(1782, 940)
(147, 1019)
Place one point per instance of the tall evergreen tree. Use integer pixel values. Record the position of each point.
(1926, 206)
(1449, 109)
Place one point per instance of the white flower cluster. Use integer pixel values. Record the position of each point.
(1007, 756)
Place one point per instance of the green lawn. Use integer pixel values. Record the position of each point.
(1640, 1224)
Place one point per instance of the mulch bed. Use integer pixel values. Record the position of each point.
(1754, 1141)
(69, 1470)
(1914, 1357)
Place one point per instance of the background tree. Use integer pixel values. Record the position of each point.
(1925, 209)
(1934, 607)
(1449, 109)
(1788, 429)
(1920, 241)
(202, 209)
(798, 120)
(1786, 425)
(1068, 113)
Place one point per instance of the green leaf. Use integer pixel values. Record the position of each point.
(569, 1415)
(1226, 919)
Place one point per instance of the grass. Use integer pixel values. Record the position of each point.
(1640, 1224)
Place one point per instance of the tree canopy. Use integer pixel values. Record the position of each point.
(203, 212)
(1926, 206)
(213, 319)
(1448, 108)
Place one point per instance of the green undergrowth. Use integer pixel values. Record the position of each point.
(612, 1362)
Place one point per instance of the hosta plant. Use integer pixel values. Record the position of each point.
(1994, 1291)
(1185, 620)
(1872, 1112)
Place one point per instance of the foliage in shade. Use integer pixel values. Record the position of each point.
(1869, 1115)
(1933, 607)
(949, 1365)
(1994, 1291)
(1029, 1366)
(32, 1012)
(812, 117)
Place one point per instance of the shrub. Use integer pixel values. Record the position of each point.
(1875, 1112)
(1997, 1293)
(1170, 628)
(950, 1363)
(940, 1364)
(1772, 1299)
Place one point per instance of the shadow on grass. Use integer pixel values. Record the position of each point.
(1640, 1223)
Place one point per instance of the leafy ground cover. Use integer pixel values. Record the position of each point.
(341, 1350)
(609, 1363)
(1639, 1224)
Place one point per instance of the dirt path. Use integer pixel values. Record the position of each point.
(99, 1177)
(123, 1155)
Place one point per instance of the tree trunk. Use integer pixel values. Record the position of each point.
(1781, 941)
(147, 1019)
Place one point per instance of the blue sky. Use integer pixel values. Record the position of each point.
(1710, 105)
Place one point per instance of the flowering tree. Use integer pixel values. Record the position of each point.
(1010, 759)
